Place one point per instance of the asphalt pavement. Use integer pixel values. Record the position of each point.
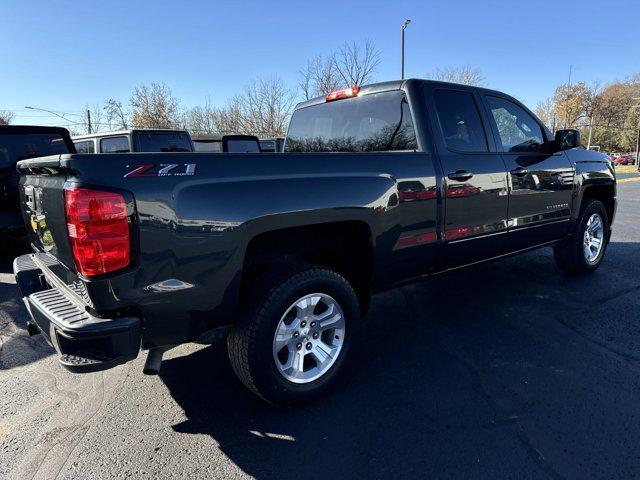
(508, 370)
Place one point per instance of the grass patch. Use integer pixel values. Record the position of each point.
(627, 168)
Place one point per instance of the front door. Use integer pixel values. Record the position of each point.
(541, 182)
(475, 193)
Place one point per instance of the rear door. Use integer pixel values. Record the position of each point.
(541, 183)
(475, 179)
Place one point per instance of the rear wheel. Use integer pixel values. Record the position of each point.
(291, 342)
(584, 251)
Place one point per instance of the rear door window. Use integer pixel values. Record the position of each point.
(85, 146)
(14, 147)
(163, 142)
(379, 122)
(114, 145)
(460, 121)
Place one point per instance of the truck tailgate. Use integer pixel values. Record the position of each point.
(42, 201)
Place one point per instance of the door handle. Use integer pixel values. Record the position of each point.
(519, 172)
(460, 176)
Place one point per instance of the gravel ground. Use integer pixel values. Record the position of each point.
(505, 370)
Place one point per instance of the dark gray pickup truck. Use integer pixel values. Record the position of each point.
(378, 185)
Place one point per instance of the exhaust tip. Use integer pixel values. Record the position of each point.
(154, 361)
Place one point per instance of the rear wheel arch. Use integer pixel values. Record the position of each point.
(345, 247)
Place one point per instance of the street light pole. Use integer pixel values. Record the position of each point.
(638, 136)
(52, 113)
(404, 25)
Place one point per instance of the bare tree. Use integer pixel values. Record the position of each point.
(201, 118)
(319, 77)
(263, 109)
(351, 65)
(229, 120)
(356, 65)
(97, 123)
(546, 111)
(154, 106)
(266, 104)
(6, 117)
(117, 116)
(465, 75)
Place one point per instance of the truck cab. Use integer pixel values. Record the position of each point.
(136, 140)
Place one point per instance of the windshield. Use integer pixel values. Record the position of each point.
(16, 147)
(163, 142)
(371, 123)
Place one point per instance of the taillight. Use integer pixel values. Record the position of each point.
(98, 230)
(344, 93)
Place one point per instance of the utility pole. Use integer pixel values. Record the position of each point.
(404, 25)
(89, 121)
(568, 97)
(637, 161)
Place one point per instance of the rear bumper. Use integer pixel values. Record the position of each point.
(86, 343)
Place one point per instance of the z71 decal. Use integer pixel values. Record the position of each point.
(161, 170)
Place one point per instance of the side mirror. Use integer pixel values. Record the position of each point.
(567, 139)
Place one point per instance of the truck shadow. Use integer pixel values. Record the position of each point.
(421, 395)
(17, 348)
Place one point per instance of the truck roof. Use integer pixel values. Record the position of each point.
(207, 137)
(128, 132)
(394, 85)
(26, 129)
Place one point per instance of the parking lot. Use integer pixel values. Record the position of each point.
(506, 370)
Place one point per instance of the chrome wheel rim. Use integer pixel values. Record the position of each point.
(593, 238)
(309, 338)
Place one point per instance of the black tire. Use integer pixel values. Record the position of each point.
(569, 255)
(250, 343)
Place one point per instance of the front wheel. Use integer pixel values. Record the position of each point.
(293, 338)
(583, 252)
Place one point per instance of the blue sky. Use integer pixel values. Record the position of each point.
(62, 55)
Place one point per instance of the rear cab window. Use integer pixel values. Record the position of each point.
(118, 144)
(379, 122)
(163, 142)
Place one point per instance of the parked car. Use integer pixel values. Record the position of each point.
(626, 159)
(284, 251)
(210, 142)
(19, 143)
(137, 140)
(226, 143)
(272, 144)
